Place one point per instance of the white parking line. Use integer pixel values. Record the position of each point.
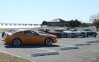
(11, 54)
(63, 45)
(95, 50)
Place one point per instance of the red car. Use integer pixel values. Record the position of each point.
(58, 34)
(49, 31)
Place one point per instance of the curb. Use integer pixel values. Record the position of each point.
(82, 44)
(69, 48)
(44, 53)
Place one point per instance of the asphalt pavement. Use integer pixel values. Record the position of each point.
(84, 53)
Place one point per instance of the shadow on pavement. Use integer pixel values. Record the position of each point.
(30, 46)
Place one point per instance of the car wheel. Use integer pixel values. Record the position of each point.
(58, 36)
(94, 35)
(16, 42)
(65, 35)
(87, 35)
(83, 35)
(48, 42)
(75, 36)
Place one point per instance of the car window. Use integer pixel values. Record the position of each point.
(19, 32)
(87, 30)
(73, 30)
(41, 32)
(28, 33)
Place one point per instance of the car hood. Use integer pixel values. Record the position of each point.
(69, 31)
(81, 31)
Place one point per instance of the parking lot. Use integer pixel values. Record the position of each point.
(66, 48)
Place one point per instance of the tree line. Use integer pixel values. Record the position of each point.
(71, 23)
(76, 23)
(95, 20)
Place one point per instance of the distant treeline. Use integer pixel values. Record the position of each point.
(71, 23)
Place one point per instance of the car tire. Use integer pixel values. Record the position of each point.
(94, 35)
(77, 36)
(58, 36)
(65, 36)
(48, 42)
(17, 42)
(83, 36)
(87, 35)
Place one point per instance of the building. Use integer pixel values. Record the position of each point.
(57, 22)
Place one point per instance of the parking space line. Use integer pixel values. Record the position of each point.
(73, 42)
(63, 45)
(12, 54)
(95, 50)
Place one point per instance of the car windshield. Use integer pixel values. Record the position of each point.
(12, 31)
(87, 30)
(72, 30)
(60, 30)
(39, 32)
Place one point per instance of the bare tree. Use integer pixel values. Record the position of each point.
(95, 20)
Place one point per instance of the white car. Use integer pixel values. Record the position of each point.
(79, 33)
(70, 33)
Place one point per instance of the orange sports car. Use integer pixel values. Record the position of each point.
(27, 36)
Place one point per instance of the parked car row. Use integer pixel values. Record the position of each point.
(42, 36)
(27, 36)
(60, 33)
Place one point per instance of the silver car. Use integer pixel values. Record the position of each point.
(79, 33)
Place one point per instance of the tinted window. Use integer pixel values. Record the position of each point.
(87, 30)
(28, 32)
(19, 32)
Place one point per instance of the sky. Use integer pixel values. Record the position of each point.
(36, 11)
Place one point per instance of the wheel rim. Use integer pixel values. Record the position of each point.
(48, 42)
(94, 35)
(65, 35)
(17, 42)
(58, 35)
